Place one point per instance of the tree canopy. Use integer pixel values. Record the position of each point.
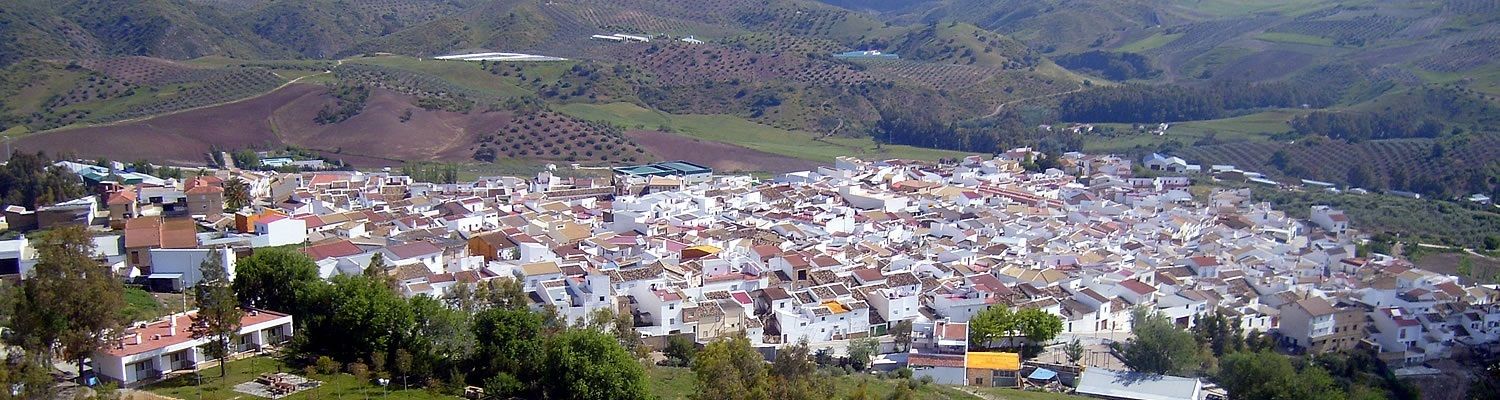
(70, 303)
(273, 278)
(219, 313)
(729, 369)
(30, 180)
(1158, 347)
(1270, 376)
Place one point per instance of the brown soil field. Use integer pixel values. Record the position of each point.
(377, 131)
(375, 137)
(182, 138)
(719, 156)
(1483, 268)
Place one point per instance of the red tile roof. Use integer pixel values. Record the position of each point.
(158, 334)
(155, 232)
(1137, 286)
(413, 250)
(342, 248)
(935, 360)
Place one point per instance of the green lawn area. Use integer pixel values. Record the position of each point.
(1484, 80)
(669, 383)
(1252, 127)
(1294, 38)
(338, 386)
(1150, 42)
(141, 306)
(738, 131)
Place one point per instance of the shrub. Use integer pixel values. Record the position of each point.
(327, 366)
(359, 370)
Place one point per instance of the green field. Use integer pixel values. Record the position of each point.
(1253, 127)
(1229, 8)
(1294, 38)
(1483, 80)
(668, 383)
(336, 386)
(1150, 42)
(738, 131)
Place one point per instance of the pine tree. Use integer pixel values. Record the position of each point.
(70, 302)
(219, 313)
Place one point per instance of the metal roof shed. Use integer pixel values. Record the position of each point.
(1099, 382)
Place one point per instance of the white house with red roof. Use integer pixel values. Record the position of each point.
(149, 350)
(428, 254)
(279, 230)
(660, 308)
(1329, 219)
(1399, 332)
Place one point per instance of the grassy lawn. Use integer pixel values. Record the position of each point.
(1485, 80)
(669, 383)
(334, 386)
(1150, 42)
(738, 131)
(141, 306)
(1252, 127)
(1294, 38)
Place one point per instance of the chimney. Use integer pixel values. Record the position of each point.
(136, 339)
(173, 331)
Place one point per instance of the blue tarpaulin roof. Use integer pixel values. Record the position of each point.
(1042, 374)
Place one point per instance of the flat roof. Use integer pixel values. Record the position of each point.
(664, 168)
(994, 360)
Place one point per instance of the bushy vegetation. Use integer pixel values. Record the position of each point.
(1425, 220)
(1111, 65)
(923, 127)
(348, 101)
(1356, 126)
(482, 336)
(1140, 103)
(30, 180)
(1446, 167)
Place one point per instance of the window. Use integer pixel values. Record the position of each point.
(1403, 334)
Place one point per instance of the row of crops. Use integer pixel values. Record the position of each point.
(1396, 159)
(221, 87)
(1354, 31)
(547, 134)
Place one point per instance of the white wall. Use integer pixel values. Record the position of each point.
(187, 263)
